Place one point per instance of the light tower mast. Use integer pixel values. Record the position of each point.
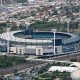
(8, 48)
(54, 31)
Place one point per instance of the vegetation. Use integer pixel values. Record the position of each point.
(33, 13)
(60, 64)
(40, 25)
(42, 75)
(12, 25)
(6, 61)
(4, 26)
(19, 1)
(75, 8)
(75, 60)
(61, 75)
(45, 25)
(54, 75)
(20, 15)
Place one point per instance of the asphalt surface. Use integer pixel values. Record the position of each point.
(10, 70)
(67, 57)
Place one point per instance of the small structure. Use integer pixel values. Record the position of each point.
(62, 68)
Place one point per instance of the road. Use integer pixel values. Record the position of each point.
(20, 67)
(63, 58)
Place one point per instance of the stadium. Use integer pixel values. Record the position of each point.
(40, 43)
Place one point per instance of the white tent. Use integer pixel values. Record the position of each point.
(62, 68)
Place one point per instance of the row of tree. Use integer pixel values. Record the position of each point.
(12, 25)
(44, 25)
(6, 61)
(40, 26)
(56, 75)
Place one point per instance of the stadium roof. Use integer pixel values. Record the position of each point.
(10, 36)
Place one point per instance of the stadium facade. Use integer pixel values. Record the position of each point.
(40, 43)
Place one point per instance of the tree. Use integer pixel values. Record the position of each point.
(15, 71)
(22, 26)
(45, 25)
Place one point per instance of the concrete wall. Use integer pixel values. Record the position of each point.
(35, 50)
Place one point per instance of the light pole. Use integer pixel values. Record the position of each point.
(54, 31)
(67, 26)
(68, 21)
(8, 29)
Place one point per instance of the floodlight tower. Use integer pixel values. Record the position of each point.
(68, 21)
(67, 26)
(54, 31)
(8, 29)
